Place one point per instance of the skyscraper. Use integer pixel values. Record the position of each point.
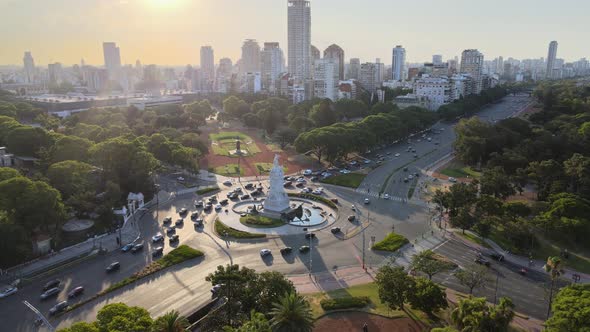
(552, 54)
(325, 78)
(354, 68)
(472, 64)
(250, 57)
(315, 54)
(272, 65)
(208, 62)
(398, 62)
(368, 77)
(336, 52)
(437, 59)
(299, 39)
(112, 59)
(29, 64)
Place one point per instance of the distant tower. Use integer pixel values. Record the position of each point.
(208, 62)
(472, 64)
(437, 59)
(552, 54)
(354, 68)
(299, 39)
(112, 59)
(29, 64)
(315, 54)
(398, 62)
(336, 52)
(250, 57)
(273, 63)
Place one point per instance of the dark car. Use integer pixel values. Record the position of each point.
(58, 308)
(127, 247)
(309, 235)
(113, 267)
(351, 218)
(246, 196)
(299, 184)
(255, 193)
(287, 184)
(249, 186)
(223, 202)
(335, 230)
(49, 293)
(182, 211)
(405, 169)
(498, 257)
(286, 250)
(208, 207)
(75, 292)
(179, 222)
(171, 230)
(136, 248)
(482, 261)
(194, 215)
(52, 284)
(303, 249)
(173, 238)
(158, 251)
(198, 204)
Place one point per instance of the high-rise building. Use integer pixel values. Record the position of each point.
(336, 52)
(273, 64)
(379, 72)
(29, 65)
(112, 59)
(223, 78)
(368, 76)
(472, 64)
(208, 62)
(354, 68)
(326, 78)
(250, 57)
(54, 71)
(437, 59)
(398, 63)
(315, 54)
(299, 38)
(551, 55)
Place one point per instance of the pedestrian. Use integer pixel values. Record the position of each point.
(365, 327)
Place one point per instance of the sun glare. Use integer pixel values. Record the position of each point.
(163, 3)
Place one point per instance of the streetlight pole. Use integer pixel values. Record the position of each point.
(40, 316)
(310, 252)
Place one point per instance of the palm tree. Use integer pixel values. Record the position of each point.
(291, 314)
(171, 321)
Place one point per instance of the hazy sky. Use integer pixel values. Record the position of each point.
(172, 31)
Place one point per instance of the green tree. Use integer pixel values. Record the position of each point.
(444, 329)
(70, 177)
(394, 285)
(427, 296)
(257, 323)
(323, 114)
(8, 173)
(120, 317)
(474, 315)
(472, 276)
(291, 313)
(70, 148)
(497, 183)
(171, 321)
(464, 219)
(14, 242)
(426, 262)
(284, 136)
(27, 141)
(235, 106)
(80, 327)
(570, 309)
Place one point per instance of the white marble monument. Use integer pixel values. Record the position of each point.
(277, 200)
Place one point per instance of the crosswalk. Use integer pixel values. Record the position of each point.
(376, 195)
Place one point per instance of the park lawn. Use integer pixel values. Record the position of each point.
(224, 142)
(222, 229)
(391, 242)
(576, 261)
(457, 169)
(473, 238)
(264, 168)
(258, 221)
(350, 180)
(228, 170)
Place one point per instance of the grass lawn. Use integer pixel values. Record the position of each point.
(222, 143)
(457, 169)
(222, 229)
(391, 242)
(264, 168)
(576, 261)
(206, 190)
(350, 180)
(258, 221)
(473, 238)
(228, 170)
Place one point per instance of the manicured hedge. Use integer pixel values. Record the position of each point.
(207, 190)
(315, 198)
(222, 229)
(391, 242)
(345, 303)
(261, 221)
(350, 180)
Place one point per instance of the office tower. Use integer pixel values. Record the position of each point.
(250, 57)
(354, 68)
(54, 72)
(299, 38)
(29, 65)
(112, 59)
(315, 54)
(551, 59)
(379, 72)
(368, 76)
(472, 64)
(398, 63)
(437, 59)
(224, 75)
(208, 62)
(272, 65)
(326, 77)
(500, 66)
(336, 52)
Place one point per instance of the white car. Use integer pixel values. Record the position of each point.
(367, 201)
(301, 180)
(386, 196)
(397, 154)
(158, 237)
(305, 190)
(180, 178)
(218, 207)
(307, 172)
(8, 291)
(367, 162)
(452, 179)
(316, 192)
(265, 252)
(410, 176)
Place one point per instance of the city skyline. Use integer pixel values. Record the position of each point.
(169, 26)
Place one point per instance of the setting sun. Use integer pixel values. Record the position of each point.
(164, 3)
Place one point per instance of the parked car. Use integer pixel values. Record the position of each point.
(173, 238)
(299, 184)
(246, 196)
(138, 247)
(287, 184)
(52, 284)
(353, 208)
(58, 308)
(182, 211)
(397, 154)
(114, 266)
(157, 251)
(452, 179)
(179, 222)
(158, 237)
(218, 207)
(167, 220)
(223, 201)
(286, 250)
(171, 230)
(405, 169)
(208, 207)
(8, 291)
(199, 204)
(227, 183)
(410, 176)
(265, 252)
(307, 172)
(351, 218)
(49, 293)
(405, 180)
(310, 235)
(249, 186)
(127, 247)
(194, 215)
(75, 292)
(482, 261)
(303, 249)
(335, 230)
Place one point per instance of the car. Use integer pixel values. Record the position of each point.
(314, 178)
(334, 200)
(171, 230)
(137, 247)
(405, 169)
(246, 196)
(290, 178)
(351, 218)
(265, 252)
(199, 204)
(353, 208)
(256, 193)
(179, 222)
(58, 308)
(301, 180)
(497, 256)
(303, 249)
(232, 195)
(199, 221)
(417, 175)
(386, 196)
(249, 186)
(300, 184)
(157, 251)
(287, 184)
(436, 143)
(114, 266)
(173, 238)
(127, 247)
(307, 172)
(213, 199)
(335, 230)
(223, 201)
(410, 176)
(415, 156)
(406, 180)
(49, 293)
(218, 207)
(429, 139)
(316, 192)
(366, 162)
(194, 215)
(452, 179)
(366, 201)
(227, 182)
(167, 220)
(482, 261)
(414, 150)
(158, 237)
(388, 153)
(286, 250)
(238, 190)
(216, 288)
(208, 207)
(306, 190)
(8, 291)
(75, 292)
(309, 235)
(52, 284)
(183, 211)
(352, 163)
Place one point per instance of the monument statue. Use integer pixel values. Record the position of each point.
(277, 200)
